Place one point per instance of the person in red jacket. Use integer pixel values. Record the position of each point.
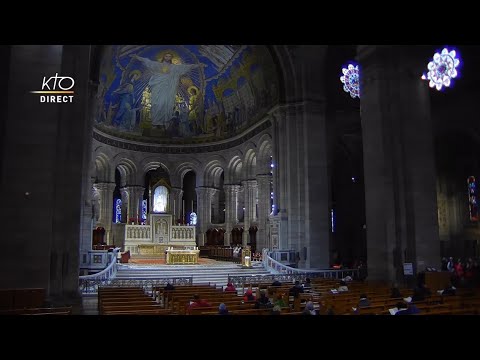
(230, 288)
(197, 302)
(249, 296)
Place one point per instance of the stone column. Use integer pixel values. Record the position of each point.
(176, 195)
(135, 197)
(106, 208)
(216, 206)
(263, 181)
(87, 218)
(250, 187)
(204, 201)
(124, 195)
(45, 252)
(399, 163)
(231, 199)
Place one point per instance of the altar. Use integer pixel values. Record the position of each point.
(182, 257)
(154, 239)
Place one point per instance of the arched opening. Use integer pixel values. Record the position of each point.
(189, 200)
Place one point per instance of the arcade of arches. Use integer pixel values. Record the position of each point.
(260, 142)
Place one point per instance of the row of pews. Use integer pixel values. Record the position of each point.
(28, 301)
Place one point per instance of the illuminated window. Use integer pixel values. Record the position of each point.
(332, 219)
(118, 211)
(442, 69)
(160, 199)
(350, 80)
(144, 210)
(193, 218)
(472, 198)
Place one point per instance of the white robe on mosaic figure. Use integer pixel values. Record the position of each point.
(163, 86)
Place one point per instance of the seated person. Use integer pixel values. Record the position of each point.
(197, 302)
(296, 289)
(420, 293)
(169, 287)
(230, 288)
(249, 296)
(307, 285)
(450, 290)
(363, 302)
(276, 283)
(309, 309)
(343, 286)
(263, 301)
(222, 309)
(406, 308)
(279, 301)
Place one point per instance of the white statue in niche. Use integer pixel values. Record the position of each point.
(160, 199)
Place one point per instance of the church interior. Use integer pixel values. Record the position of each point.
(140, 178)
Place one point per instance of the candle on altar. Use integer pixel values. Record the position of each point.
(183, 212)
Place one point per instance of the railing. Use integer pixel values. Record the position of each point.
(287, 274)
(88, 284)
(149, 284)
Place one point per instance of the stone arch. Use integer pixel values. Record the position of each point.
(265, 151)
(213, 170)
(250, 161)
(183, 168)
(103, 171)
(128, 170)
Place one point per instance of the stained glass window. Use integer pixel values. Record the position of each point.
(472, 198)
(332, 219)
(350, 80)
(193, 218)
(442, 69)
(118, 211)
(160, 199)
(272, 205)
(144, 210)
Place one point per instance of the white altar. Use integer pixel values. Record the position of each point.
(160, 234)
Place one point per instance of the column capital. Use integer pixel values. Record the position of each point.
(250, 183)
(176, 191)
(231, 188)
(206, 190)
(104, 186)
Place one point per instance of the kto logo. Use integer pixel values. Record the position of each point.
(64, 84)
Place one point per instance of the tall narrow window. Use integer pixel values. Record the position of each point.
(160, 198)
(272, 205)
(144, 210)
(332, 219)
(472, 198)
(118, 211)
(193, 219)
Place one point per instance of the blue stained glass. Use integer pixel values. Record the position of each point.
(351, 80)
(118, 211)
(144, 210)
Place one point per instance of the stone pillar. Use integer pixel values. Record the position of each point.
(263, 181)
(106, 208)
(250, 187)
(231, 199)
(216, 206)
(43, 179)
(86, 237)
(176, 195)
(124, 195)
(399, 163)
(135, 197)
(204, 201)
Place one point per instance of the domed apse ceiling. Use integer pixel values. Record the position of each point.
(183, 93)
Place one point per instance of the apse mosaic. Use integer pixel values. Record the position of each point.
(183, 93)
